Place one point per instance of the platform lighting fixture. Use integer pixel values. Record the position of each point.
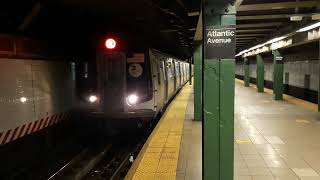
(307, 28)
(275, 40)
(315, 17)
(110, 43)
(261, 45)
(23, 99)
(296, 18)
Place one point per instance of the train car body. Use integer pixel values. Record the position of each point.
(136, 85)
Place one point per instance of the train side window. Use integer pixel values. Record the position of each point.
(163, 70)
(159, 79)
(169, 70)
(174, 69)
(158, 72)
(73, 70)
(286, 78)
(177, 69)
(85, 70)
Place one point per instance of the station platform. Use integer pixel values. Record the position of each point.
(159, 156)
(274, 140)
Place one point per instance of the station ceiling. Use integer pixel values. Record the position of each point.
(169, 25)
(73, 24)
(260, 20)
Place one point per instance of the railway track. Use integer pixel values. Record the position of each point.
(81, 164)
(110, 161)
(117, 167)
(46, 162)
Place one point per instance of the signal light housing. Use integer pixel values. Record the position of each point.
(110, 43)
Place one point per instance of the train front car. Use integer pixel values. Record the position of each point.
(124, 82)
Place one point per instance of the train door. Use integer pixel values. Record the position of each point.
(158, 81)
(170, 77)
(111, 83)
(187, 71)
(175, 85)
(155, 80)
(165, 77)
(182, 73)
(178, 78)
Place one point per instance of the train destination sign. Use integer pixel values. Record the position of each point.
(220, 42)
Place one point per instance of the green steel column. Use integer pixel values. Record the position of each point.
(218, 99)
(260, 74)
(278, 75)
(246, 72)
(197, 60)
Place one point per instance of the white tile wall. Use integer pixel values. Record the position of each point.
(296, 69)
(47, 85)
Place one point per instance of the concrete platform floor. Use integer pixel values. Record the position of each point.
(190, 154)
(274, 140)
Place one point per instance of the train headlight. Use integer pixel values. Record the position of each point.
(93, 98)
(132, 99)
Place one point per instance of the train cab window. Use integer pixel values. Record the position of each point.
(163, 70)
(158, 72)
(307, 78)
(169, 69)
(177, 69)
(286, 78)
(85, 70)
(73, 70)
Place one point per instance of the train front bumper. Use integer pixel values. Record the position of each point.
(141, 113)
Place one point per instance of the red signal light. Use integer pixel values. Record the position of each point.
(110, 43)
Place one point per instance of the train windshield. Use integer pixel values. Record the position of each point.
(111, 81)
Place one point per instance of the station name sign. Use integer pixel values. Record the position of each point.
(220, 42)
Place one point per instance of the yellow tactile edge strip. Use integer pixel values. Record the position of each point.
(288, 98)
(158, 158)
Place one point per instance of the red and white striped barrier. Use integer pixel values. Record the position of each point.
(25, 129)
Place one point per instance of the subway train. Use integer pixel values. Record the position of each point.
(132, 84)
(119, 83)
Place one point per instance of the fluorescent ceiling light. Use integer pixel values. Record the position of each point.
(242, 52)
(296, 18)
(261, 45)
(307, 28)
(315, 17)
(193, 13)
(257, 46)
(275, 39)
